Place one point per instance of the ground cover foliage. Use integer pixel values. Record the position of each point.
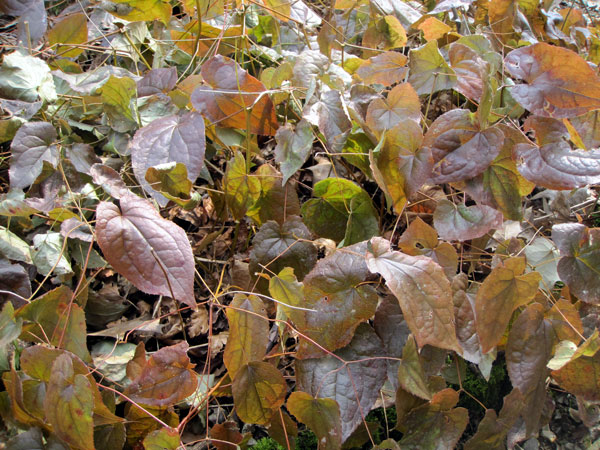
(222, 221)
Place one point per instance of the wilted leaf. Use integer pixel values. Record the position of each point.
(429, 72)
(355, 387)
(141, 10)
(559, 82)
(294, 145)
(258, 391)
(528, 349)
(422, 290)
(552, 163)
(177, 138)
(329, 114)
(321, 415)
(151, 252)
(163, 439)
(503, 290)
(111, 360)
(460, 149)
(402, 164)
(67, 33)
(402, 103)
(234, 99)
(248, 333)
(167, 378)
(241, 188)
(279, 246)
(69, 403)
(33, 144)
(341, 211)
(457, 222)
(340, 301)
(579, 265)
(387, 68)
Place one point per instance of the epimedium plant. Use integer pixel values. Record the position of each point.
(312, 210)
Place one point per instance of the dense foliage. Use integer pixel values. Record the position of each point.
(231, 222)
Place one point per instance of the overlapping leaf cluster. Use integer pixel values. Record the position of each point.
(313, 210)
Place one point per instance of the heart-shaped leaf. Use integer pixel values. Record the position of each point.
(429, 72)
(402, 103)
(294, 145)
(387, 68)
(329, 114)
(457, 222)
(177, 138)
(560, 83)
(151, 252)
(33, 144)
(321, 415)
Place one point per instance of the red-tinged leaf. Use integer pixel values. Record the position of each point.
(492, 430)
(528, 350)
(387, 68)
(248, 333)
(560, 83)
(109, 179)
(278, 246)
(457, 222)
(283, 429)
(329, 114)
(157, 81)
(177, 138)
(581, 375)
(340, 300)
(464, 313)
(321, 415)
(503, 291)
(67, 33)
(501, 186)
(433, 29)
(422, 239)
(460, 149)
(471, 71)
(234, 99)
(422, 290)
(579, 265)
(411, 375)
(402, 103)
(565, 321)
(163, 439)
(276, 201)
(393, 331)
(51, 316)
(226, 432)
(258, 391)
(552, 163)
(69, 403)
(14, 278)
(429, 72)
(434, 426)
(151, 252)
(294, 145)
(355, 387)
(166, 379)
(140, 424)
(32, 145)
(241, 188)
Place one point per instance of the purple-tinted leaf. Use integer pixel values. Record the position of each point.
(422, 290)
(579, 265)
(559, 82)
(464, 313)
(151, 252)
(329, 114)
(157, 81)
(33, 144)
(82, 157)
(166, 378)
(178, 138)
(457, 222)
(354, 386)
(387, 68)
(14, 278)
(109, 179)
(76, 229)
(460, 149)
(293, 147)
(471, 70)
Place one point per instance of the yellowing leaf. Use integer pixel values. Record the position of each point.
(560, 83)
(321, 415)
(163, 439)
(67, 33)
(140, 10)
(401, 104)
(429, 72)
(241, 188)
(433, 28)
(504, 290)
(387, 68)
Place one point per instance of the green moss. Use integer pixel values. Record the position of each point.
(307, 440)
(267, 444)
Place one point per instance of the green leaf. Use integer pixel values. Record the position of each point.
(429, 72)
(258, 391)
(117, 95)
(163, 439)
(10, 329)
(13, 247)
(171, 179)
(48, 254)
(321, 415)
(24, 77)
(342, 211)
(248, 333)
(422, 290)
(69, 404)
(241, 188)
(411, 374)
